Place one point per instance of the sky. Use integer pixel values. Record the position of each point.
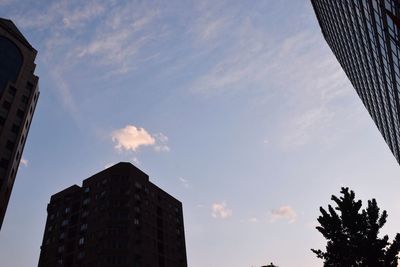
(237, 108)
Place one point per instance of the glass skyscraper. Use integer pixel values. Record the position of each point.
(364, 36)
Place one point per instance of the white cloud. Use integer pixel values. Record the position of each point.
(131, 138)
(24, 162)
(220, 210)
(283, 213)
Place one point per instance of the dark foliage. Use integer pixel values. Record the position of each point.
(352, 234)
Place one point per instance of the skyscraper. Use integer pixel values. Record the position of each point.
(364, 37)
(18, 96)
(117, 218)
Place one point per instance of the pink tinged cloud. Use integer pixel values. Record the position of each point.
(221, 211)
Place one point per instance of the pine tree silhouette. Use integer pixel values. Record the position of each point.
(352, 234)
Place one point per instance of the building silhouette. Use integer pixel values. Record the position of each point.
(364, 36)
(18, 96)
(117, 218)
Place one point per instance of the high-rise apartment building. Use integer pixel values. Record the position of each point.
(364, 36)
(18, 96)
(117, 218)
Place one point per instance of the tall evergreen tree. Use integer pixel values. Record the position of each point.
(352, 234)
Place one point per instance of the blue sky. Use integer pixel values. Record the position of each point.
(237, 108)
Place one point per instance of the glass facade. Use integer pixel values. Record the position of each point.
(10, 62)
(364, 36)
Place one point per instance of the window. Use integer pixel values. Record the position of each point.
(86, 201)
(12, 90)
(64, 223)
(15, 128)
(24, 99)
(67, 210)
(136, 221)
(62, 235)
(81, 241)
(84, 227)
(29, 86)
(6, 105)
(10, 63)
(87, 189)
(4, 163)
(20, 113)
(10, 145)
(2, 120)
(81, 255)
(61, 249)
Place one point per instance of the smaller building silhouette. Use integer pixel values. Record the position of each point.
(117, 218)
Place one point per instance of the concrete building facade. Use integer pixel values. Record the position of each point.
(117, 218)
(19, 93)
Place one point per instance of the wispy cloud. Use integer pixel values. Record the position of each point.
(79, 15)
(121, 38)
(161, 143)
(297, 71)
(105, 36)
(283, 213)
(220, 210)
(209, 29)
(6, 2)
(253, 220)
(184, 182)
(136, 160)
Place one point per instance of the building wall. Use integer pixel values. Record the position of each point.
(364, 36)
(18, 98)
(117, 218)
